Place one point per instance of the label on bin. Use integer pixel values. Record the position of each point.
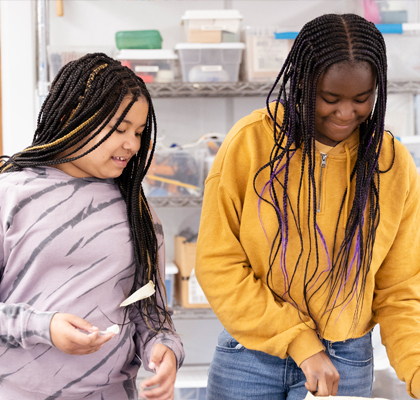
(195, 293)
(211, 68)
(213, 28)
(146, 68)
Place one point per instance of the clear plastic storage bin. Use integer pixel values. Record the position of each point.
(151, 65)
(176, 172)
(212, 26)
(58, 56)
(266, 52)
(205, 62)
(403, 56)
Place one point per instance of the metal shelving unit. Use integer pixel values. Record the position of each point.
(180, 201)
(229, 89)
(241, 89)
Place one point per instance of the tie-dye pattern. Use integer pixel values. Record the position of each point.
(65, 246)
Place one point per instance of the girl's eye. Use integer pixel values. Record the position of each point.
(139, 134)
(329, 101)
(362, 101)
(117, 130)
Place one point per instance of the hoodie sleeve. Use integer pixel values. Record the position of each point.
(396, 303)
(243, 303)
(145, 335)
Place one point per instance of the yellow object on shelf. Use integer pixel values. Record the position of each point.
(59, 8)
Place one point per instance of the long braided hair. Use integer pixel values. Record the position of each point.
(321, 43)
(84, 97)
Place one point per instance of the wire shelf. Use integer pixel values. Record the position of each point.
(242, 89)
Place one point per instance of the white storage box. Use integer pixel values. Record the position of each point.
(266, 52)
(151, 65)
(58, 56)
(216, 62)
(212, 26)
(170, 271)
(403, 54)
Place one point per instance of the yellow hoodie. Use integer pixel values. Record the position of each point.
(235, 239)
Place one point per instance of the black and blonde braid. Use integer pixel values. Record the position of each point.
(84, 97)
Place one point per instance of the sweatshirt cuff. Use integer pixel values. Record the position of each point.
(414, 388)
(305, 345)
(37, 329)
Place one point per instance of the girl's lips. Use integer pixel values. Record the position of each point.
(120, 161)
(341, 126)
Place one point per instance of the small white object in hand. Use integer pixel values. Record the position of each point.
(114, 329)
(145, 291)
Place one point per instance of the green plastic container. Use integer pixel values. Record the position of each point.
(149, 39)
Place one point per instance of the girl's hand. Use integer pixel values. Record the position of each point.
(163, 361)
(67, 337)
(321, 376)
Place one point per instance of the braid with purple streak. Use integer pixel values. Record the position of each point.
(323, 42)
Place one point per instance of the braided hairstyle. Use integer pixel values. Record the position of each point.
(323, 42)
(84, 97)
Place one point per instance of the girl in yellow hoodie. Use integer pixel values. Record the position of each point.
(310, 229)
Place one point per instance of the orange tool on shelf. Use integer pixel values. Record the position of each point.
(59, 10)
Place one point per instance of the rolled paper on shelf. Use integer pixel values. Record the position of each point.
(145, 291)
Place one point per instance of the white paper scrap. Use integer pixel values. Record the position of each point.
(145, 291)
(310, 396)
(114, 329)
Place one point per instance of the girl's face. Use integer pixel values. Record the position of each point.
(344, 99)
(112, 156)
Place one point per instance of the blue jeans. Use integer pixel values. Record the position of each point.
(237, 373)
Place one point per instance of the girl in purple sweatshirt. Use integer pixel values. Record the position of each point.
(77, 237)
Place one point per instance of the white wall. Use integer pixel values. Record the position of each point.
(18, 73)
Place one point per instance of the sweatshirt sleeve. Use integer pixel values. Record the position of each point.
(243, 303)
(396, 304)
(20, 324)
(23, 326)
(144, 334)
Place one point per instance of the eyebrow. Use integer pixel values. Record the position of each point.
(130, 123)
(357, 95)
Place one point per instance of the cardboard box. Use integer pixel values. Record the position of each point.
(188, 292)
(212, 26)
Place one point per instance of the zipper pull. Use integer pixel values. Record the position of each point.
(323, 165)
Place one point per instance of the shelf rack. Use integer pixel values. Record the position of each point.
(242, 89)
(229, 89)
(176, 201)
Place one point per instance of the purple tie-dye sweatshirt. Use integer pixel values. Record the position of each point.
(66, 247)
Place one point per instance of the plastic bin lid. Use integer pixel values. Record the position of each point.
(225, 45)
(138, 54)
(211, 14)
(171, 268)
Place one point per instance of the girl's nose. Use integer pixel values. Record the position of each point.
(345, 112)
(131, 142)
